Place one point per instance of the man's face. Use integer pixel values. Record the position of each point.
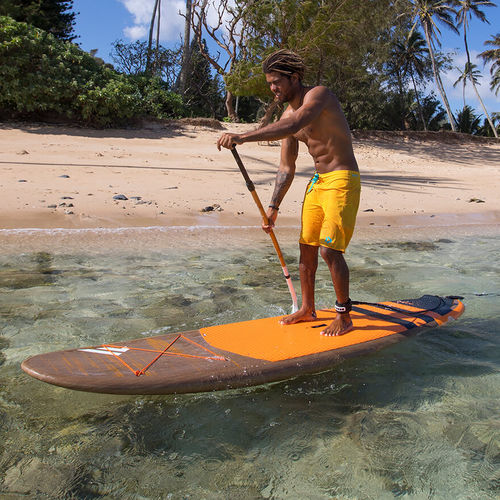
(280, 85)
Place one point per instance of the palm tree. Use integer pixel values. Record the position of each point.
(493, 56)
(462, 78)
(424, 12)
(472, 74)
(412, 56)
(467, 9)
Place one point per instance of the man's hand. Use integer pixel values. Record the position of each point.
(227, 140)
(272, 215)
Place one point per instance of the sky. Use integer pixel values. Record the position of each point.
(99, 23)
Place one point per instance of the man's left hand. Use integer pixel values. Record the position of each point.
(227, 140)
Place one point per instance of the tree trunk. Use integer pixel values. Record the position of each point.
(418, 103)
(186, 50)
(230, 108)
(150, 40)
(484, 109)
(266, 119)
(156, 65)
(439, 83)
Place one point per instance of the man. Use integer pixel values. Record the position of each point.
(314, 117)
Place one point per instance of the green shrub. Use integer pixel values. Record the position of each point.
(42, 76)
(117, 102)
(39, 73)
(160, 102)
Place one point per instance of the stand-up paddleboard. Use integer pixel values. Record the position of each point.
(238, 354)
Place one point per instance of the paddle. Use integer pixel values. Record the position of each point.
(255, 196)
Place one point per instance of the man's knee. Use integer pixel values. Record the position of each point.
(331, 255)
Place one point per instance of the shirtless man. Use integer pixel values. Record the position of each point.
(314, 117)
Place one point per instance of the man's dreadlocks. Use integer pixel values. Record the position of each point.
(285, 62)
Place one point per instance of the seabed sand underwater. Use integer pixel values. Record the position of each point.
(419, 419)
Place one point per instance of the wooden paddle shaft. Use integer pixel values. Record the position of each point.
(255, 196)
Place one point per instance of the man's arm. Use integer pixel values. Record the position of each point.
(284, 178)
(289, 124)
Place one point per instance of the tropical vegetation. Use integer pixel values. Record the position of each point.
(379, 56)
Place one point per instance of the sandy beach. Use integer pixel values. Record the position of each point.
(173, 174)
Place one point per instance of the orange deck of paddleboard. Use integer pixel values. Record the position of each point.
(238, 354)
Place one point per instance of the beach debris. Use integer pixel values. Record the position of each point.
(22, 180)
(369, 210)
(120, 197)
(67, 198)
(172, 187)
(64, 176)
(476, 200)
(69, 212)
(212, 208)
(51, 206)
(23, 152)
(138, 198)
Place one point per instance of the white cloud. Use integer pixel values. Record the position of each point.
(135, 32)
(171, 22)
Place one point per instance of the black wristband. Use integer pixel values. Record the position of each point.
(274, 207)
(343, 308)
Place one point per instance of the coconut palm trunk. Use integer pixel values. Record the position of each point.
(150, 38)
(418, 102)
(437, 78)
(186, 50)
(484, 109)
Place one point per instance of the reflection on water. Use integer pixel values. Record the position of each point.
(415, 420)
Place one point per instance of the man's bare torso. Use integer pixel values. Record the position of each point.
(327, 137)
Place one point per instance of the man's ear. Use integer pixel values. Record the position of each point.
(294, 77)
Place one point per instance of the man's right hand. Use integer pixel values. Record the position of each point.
(228, 140)
(272, 215)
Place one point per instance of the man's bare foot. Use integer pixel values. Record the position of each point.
(341, 325)
(298, 317)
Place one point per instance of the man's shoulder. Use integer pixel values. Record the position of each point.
(321, 94)
(320, 90)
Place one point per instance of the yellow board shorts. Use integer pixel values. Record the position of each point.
(329, 211)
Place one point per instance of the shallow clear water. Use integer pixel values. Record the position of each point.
(419, 419)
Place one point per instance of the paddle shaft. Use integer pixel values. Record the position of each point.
(255, 196)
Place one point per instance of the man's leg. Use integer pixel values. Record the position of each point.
(340, 277)
(308, 265)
